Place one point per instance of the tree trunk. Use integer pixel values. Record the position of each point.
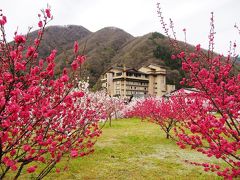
(110, 121)
(168, 136)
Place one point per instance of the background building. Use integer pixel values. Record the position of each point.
(127, 82)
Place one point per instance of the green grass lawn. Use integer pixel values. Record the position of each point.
(132, 149)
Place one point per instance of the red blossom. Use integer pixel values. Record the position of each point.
(19, 39)
(48, 12)
(81, 59)
(36, 41)
(30, 51)
(173, 57)
(198, 47)
(3, 21)
(78, 94)
(75, 65)
(181, 54)
(74, 153)
(75, 47)
(26, 147)
(40, 24)
(31, 169)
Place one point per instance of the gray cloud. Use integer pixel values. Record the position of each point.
(137, 17)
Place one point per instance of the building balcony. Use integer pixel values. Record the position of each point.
(137, 90)
(137, 85)
(103, 79)
(130, 77)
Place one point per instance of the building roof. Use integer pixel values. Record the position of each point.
(153, 69)
(149, 64)
(134, 71)
(126, 69)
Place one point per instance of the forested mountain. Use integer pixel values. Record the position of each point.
(108, 47)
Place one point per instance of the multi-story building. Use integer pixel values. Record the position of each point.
(126, 82)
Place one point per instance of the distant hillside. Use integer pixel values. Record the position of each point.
(108, 47)
(101, 47)
(151, 48)
(59, 37)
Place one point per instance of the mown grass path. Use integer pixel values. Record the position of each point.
(132, 149)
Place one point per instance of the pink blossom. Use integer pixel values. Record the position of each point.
(198, 47)
(64, 78)
(48, 13)
(13, 152)
(40, 24)
(75, 47)
(19, 39)
(7, 76)
(74, 153)
(13, 54)
(30, 51)
(36, 41)
(31, 169)
(75, 65)
(26, 147)
(14, 167)
(81, 59)
(173, 57)
(78, 94)
(182, 54)
(3, 21)
(20, 66)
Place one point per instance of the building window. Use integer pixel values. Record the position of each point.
(137, 75)
(163, 80)
(129, 74)
(118, 74)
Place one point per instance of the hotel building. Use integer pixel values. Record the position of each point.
(127, 82)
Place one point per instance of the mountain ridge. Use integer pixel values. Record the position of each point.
(109, 46)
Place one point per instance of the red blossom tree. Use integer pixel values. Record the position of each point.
(162, 111)
(42, 118)
(217, 79)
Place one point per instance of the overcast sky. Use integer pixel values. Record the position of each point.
(137, 17)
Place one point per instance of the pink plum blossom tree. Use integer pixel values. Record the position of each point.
(217, 79)
(41, 118)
